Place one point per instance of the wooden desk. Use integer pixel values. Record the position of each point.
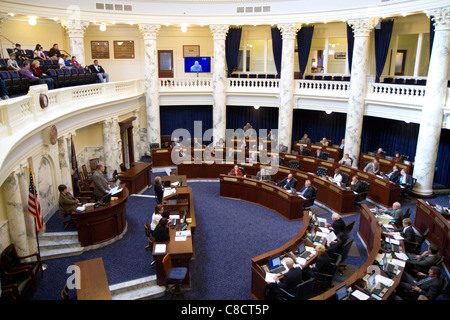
(335, 152)
(438, 224)
(102, 223)
(385, 164)
(181, 252)
(138, 177)
(94, 284)
(162, 158)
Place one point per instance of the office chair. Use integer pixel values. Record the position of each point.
(321, 171)
(66, 223)
(349, 228)
(303, 291)
(174, 275)
(407, 213)
(363, 195)
(148, 234)
(294, 164)
(324, 281)
(414, 247)
(345, 179)
(343, 256)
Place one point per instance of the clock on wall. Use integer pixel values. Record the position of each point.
(53, 133)
(43, 100)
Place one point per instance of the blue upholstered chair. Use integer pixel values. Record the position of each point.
(174, 275)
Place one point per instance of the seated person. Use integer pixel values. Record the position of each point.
(305, 139)
(346, 160)
(397, 157)
(19, 57)
(37, 72)
(261, 145)
(175, 143)
(323, 263)
(406, 231)
(262, 175)
(338, 224)
(54, 53)
(74, 62)
(405, 180)
(395, 212)
(393, 175)
(231, 155)
(422, 263)
(196, 143)
(211, 153)
(342, 144)
(101, 73)
(3, 90)
(307, 191)
(320, 155)
(336, 246)
(243, 144)
(356, 185)
(26, 73)
(290, 279)
(67, 202)
(303, 152)
(379, 152)
(253, 157)
(183, 155)
(62, 61)
(220, 143)
(282, 148)
(372, 167)
(288, 183)
(237, 171)
(161, 232)
(275, 160)
(12, 62)
(39, 52)
(156, 216)
(430, 286)
(337, 178)
(324, 141)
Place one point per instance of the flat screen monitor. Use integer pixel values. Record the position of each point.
(371, 282)
(197, 64)
(274, 263)
(341, 293)
(107, 198)
(301, 247)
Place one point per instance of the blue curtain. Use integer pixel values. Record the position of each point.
(431, 35)
(382, 40)
(277, 45)
(176, 117)
(304, 37)
(232, 43)
(318, 124)
(263, 118)
(442, 175)
(350, 43)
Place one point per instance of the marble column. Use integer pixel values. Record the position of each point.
(65, 165)
(357, 92)
(107, 147)
(149, 32)
(435, 95)
(116, 146)
(286, 108)
(75, 29)
(16, 216)
(219, 32)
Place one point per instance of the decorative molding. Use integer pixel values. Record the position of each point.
(363, 27)
(219, 31)
(149, 31)
(75, 28)
(288, 30)
(441, 18)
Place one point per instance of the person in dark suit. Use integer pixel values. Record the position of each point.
(429, 286)
(422, 263)
(405, 180)
(319, 155)
(323, 263)
(161, 232)
(396, 212)
(175, 143)
(307, 191)
(305, 139)
(394, 174)
(101, 73)
(101, 186)
(288, 183)
(407, 231)
(262, 175)
(231, 156)
(336, 246)
(398, 157)
(303, 152)
(282, 148)
(67, 202)
(356, 185)
(338, 224)
(290, 279)
(159, 192)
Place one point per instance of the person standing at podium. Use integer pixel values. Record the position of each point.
(159, 192)
(101, 186)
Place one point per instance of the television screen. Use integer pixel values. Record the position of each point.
(197, 64)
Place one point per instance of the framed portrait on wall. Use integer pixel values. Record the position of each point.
(100, 49)
(124, 49)
(340, 55)
(191, 51)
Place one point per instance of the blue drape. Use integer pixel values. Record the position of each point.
(277, 45)
(176, 117)
(263, 118)
(442, 175)
(350, 43)
(382, 40)
(304, 37)
(232, 43)
(431, 34)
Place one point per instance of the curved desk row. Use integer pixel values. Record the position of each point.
(334, 197)
(102, 223)
(335, 152)
(385, 164)
(381, 191)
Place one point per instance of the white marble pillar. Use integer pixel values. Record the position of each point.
(219, 32)
(107, 147)
(75, 29)
(65, 164)
(16, 217)
(138, 152)
(116, 147)
(418, 55)
(435, 95)
(149, 32)
(286, 108)
(357, 92)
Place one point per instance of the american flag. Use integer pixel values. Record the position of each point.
(34, 208)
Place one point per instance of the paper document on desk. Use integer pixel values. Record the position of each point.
(401, 256)
(184, 233)
(301, 261)
(174, 216)
(360, 295)
(175, 184)
(321, 234)
(324, 230)
(81, 209)
(160, 248)
(180, 238)
(393, 241)
(398, 262)
(270, 277)
(115, 190)
(388, 226)
(168, 192)
(302, 197)
(310, 249)
(397, 236)
(384, 280)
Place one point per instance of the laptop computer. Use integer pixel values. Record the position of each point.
(376, 289)
(315, 238)
(302, 252)
(275, 265)
(342, 293)
(107, 198)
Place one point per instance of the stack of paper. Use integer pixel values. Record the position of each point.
(168, 192)
(360, 295)
(384, 280)
(160, 248)
(401, 255)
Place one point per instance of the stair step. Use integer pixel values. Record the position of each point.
(55, 244)
(58, 235)
(48, 254)
(143, 288)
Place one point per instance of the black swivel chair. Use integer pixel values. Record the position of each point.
(303, 291)
(345, 179)
(414, 247)
(321, 171)
(294, 164)
(407, 213)
(343, 256)
(363, 194)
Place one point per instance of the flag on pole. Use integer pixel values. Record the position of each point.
(34, 208)
(75, 173)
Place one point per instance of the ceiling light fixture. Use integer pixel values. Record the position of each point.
(102, 27)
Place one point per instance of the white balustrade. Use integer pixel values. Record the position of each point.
(407, 94)
(322, 88)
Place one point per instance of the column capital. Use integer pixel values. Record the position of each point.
(74, 27)
(441, 18)
(362, 27)
(219, 31)
(288, 30)
(149, 31)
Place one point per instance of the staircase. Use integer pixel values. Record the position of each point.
(138, 289)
